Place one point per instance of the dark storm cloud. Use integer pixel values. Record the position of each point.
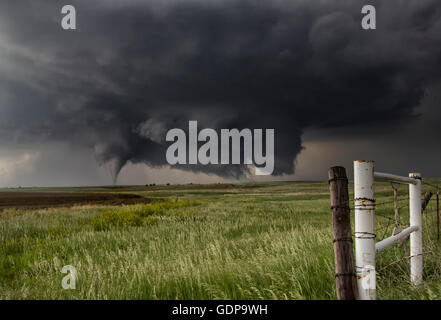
(134, 69)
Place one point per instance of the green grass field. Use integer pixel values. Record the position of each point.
(241, 241)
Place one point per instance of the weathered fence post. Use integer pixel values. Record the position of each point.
(397, 229)
(416, 237)
(437, 212)
(425, 201)
(341, 226)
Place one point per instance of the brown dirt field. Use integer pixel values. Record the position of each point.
(32, 200)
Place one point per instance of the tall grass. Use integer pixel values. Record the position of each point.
(237, 246)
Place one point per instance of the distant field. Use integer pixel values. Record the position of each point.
(220, 241)
(38, 199)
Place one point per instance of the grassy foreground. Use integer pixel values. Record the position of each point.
(244, 241)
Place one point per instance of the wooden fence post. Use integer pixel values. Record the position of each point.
(341, 226)
(437, 213)
(425, 201)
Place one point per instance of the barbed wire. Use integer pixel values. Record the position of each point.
(387, 202)
(383, 226)
(430, 184)
(392, 201)
(404, 258)
(428, 227)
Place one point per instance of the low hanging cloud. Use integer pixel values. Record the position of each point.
(135, 69)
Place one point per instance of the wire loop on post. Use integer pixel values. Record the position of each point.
(342, 239)
(337, 178)
(369, 235)
(340, 207)
(345, 274)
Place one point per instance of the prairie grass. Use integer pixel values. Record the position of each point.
(136, 215)
(244, 241)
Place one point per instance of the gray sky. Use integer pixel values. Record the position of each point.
(72, 102)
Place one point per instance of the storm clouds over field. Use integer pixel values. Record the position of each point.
(109, 91)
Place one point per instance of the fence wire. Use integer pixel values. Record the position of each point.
(385, 225)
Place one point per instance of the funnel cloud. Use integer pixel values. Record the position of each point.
(132, 70)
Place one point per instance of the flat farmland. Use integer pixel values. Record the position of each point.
(220, 241)
(38, 199)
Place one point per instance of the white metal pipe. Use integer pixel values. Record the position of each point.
(393, 178)
(365, 229)
(393, 239)
(416, 238)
